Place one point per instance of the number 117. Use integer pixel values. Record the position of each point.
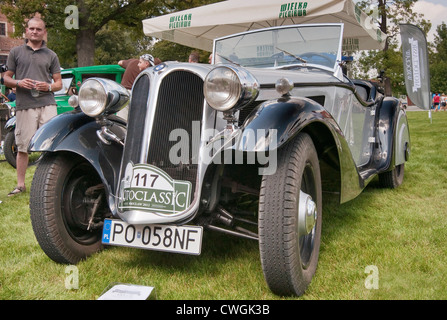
(144, 179)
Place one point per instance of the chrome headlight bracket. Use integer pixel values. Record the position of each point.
(106, 135)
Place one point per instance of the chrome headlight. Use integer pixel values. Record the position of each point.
(227, 87)
(73, 101)
(102, 96)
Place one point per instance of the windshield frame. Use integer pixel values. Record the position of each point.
(65, 90)
(334, 69)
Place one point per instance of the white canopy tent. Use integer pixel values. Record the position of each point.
(198, 27)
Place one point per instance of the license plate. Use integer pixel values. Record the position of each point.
(179, 239)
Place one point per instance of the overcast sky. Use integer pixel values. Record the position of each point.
(436, 1)
(433, 10)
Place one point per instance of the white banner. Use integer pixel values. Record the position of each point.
(416, 69)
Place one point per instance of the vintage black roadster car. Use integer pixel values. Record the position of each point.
(274, 119)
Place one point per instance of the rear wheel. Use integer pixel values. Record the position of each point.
(394, 178)
(290, 214)
(10, 150)
(67, 207)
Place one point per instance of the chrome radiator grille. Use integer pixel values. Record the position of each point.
(180, 104)
(135, 125)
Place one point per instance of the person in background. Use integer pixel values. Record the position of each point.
(2, 70)
(436, 100)
(37, 75)
(132, 71)
(133, 68)
(193, 57)
(443, 102)
(147, 60)
(12, 95)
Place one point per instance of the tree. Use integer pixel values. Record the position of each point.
(98, 23)
(390, 13)
(114, 42)
(389, 61)
(438, 60)
(91, 16)
(169, 51)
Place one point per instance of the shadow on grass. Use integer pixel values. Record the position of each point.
(343, 220)
(217, 248)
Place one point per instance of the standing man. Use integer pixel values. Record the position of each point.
(34, 67)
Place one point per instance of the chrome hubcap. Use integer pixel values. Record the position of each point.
(307, 214)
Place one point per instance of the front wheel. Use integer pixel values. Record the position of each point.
(67, 207)
(290, 214)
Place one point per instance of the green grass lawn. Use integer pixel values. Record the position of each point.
(401, 232)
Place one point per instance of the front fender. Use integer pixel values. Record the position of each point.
(54, 134)
(77, 133)
(275, 122)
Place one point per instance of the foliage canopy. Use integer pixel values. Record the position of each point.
(111, 30)
(108, 30)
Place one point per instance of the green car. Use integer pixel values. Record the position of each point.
(73, 78)
(71, 81)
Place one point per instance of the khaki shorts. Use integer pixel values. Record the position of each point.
(28, 121)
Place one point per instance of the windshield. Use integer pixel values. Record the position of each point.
(66, 84)
(275, 47)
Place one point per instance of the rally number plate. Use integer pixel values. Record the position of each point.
(179, 239)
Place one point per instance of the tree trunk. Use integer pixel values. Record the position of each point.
(85, 38)
(85, 47)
